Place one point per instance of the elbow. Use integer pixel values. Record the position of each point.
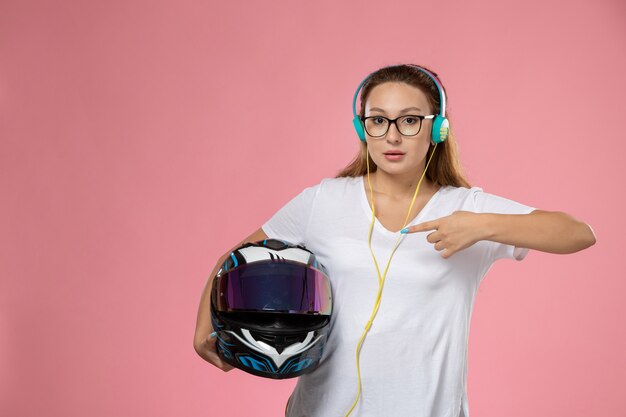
(585, 237)
(590, 236)
(581, 235)
(577, 235)
(196, 344)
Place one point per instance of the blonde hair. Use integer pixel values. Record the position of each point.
(445, 167)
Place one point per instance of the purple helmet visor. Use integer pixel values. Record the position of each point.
(277, 286)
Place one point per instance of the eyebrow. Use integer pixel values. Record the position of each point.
(401, 111)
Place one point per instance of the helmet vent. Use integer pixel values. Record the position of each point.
(280, 342)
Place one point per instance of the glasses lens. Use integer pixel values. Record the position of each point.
(376, 126)
(409, 125)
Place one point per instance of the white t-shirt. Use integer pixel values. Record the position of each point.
(414, 358)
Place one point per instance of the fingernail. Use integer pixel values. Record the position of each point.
(405, 230)
(213, 335)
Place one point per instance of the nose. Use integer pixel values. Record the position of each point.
(393, 134)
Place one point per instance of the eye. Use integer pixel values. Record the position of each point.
(410, 120)
(379, 120)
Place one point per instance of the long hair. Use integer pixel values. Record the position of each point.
(445, 167)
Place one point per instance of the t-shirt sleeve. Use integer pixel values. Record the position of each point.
(490, 203)
(290, 222)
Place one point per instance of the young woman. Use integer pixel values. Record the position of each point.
(412, 356)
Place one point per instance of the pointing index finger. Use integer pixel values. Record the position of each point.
(421, 227)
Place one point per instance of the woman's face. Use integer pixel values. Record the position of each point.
(395, 99)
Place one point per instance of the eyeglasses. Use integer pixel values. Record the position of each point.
(409, 125)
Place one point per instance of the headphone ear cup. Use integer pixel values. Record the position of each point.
(441, 129)
(358, 126)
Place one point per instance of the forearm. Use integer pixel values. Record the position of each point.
(203, 320)
(546, 231)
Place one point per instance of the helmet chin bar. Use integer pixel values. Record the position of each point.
(278, 357)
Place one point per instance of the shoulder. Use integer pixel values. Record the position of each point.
(451, 198)
(332, 192)
(458, 195)
(339, 185)
(342, 181)
(473, 194)
(330, 188)
(476, 199)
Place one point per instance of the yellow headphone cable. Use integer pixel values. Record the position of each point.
(381, 280)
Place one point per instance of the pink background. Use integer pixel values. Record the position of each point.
(141, 140)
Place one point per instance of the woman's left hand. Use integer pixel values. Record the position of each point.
(452, 233)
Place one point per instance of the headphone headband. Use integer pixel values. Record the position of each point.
(442, 94)
(440, 129)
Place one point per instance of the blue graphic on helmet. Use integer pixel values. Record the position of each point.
(296, 367)
(259, 365)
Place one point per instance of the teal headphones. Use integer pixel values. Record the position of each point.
(441, 126)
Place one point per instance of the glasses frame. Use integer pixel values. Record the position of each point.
(390, 121)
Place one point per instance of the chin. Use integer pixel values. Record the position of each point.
(394, 170)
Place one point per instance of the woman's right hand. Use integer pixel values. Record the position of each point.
(207, 350)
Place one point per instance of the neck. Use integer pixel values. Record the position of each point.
(400, 186)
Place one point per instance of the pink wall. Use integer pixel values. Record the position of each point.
(140, 140)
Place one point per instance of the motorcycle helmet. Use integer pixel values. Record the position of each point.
(271, 306)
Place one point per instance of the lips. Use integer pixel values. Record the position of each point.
(394, 153)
